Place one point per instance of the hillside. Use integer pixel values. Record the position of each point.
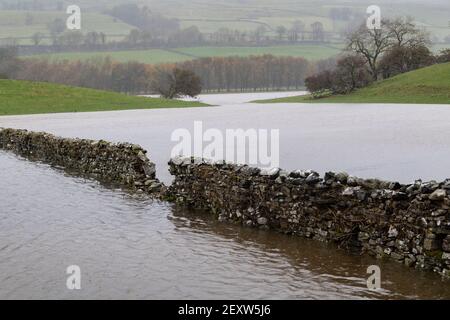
(24, 97)
(429, 85)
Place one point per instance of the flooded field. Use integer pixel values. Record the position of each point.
(133, 247)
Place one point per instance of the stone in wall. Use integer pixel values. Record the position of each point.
(407, 223)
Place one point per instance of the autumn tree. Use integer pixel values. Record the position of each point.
(266, 72)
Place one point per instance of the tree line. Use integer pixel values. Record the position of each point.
(253, 73)
(222, 74)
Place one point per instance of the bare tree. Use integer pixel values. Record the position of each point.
(371, 44)
(405, 33)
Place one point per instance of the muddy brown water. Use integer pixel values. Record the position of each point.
(132, 247)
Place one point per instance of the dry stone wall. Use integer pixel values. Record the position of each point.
(122, 164)
(407, 223)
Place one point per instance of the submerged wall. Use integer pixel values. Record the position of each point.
(122, 164)
(407, 223)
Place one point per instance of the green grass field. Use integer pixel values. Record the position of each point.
(13, 24)
(24, 97)
(210, 15)
(311, 52)
(429, 85)
(243, 15)
(156, 56)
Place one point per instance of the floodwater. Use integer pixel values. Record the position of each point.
(132, 247)
(392, 142)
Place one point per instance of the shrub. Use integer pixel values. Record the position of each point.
(444, 56)
(404, 59)
(319, 83)
(351, 73)
(177, 82)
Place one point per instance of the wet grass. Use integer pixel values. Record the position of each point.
(25, 97)
(429, 85)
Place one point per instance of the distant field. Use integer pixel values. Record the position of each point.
(307, 51)
(211, 15)
(243, 15)
(25, 97)
(155, 56)
(429, 85)
(12, 24)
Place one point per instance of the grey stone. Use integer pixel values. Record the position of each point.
(342, 177)
(361, 195)
(362, 236)
(350, 191)
(262, 221)
(313, 177)
(393, 232)
(437, 195)
(273, 172)
(397, 256)
(446, 244)
(298, 174)
(249, 223)
(430, 244)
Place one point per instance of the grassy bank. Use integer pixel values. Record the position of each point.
(429, 85)
(24, 97)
